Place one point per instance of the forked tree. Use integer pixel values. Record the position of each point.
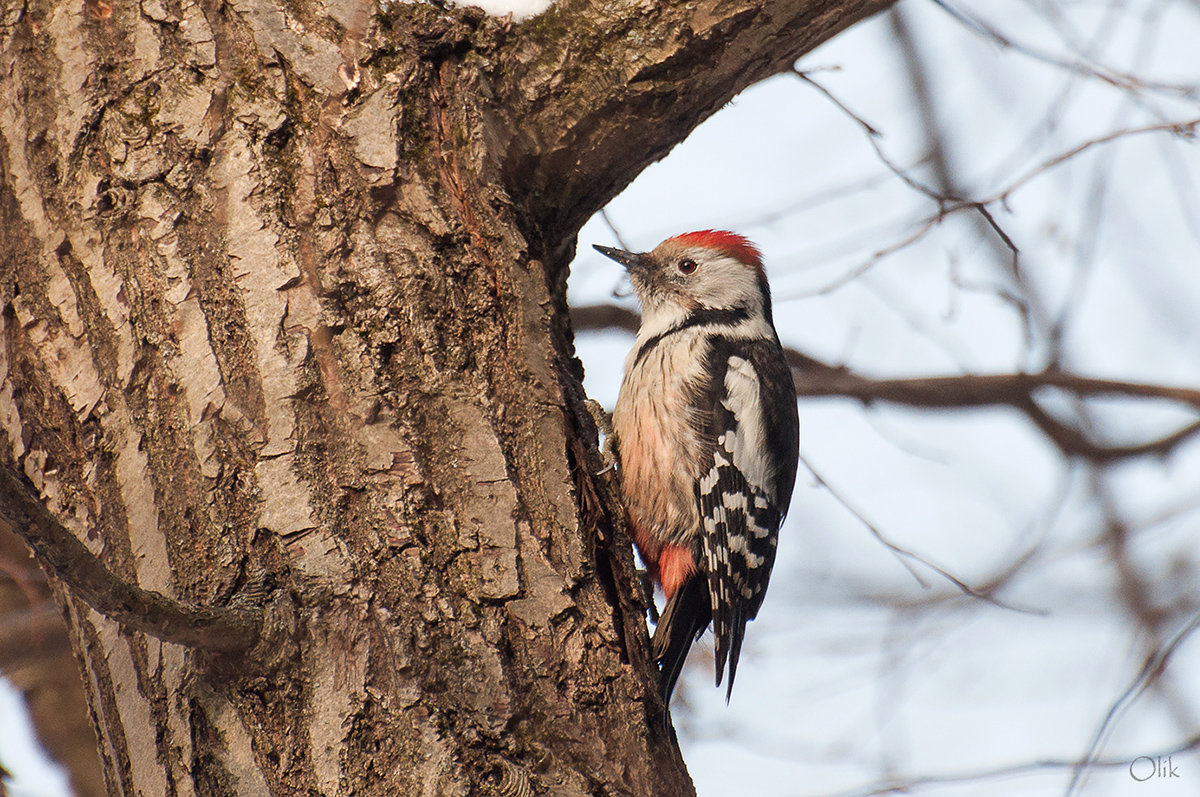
(290, 410)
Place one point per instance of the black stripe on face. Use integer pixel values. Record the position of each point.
(704, 317)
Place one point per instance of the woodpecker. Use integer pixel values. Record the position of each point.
(707, 438)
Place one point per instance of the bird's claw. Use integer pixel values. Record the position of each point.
(603, 420)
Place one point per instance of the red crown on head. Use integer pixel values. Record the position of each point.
(732, 244)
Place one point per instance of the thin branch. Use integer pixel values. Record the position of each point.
(902, 556)
(906, 557)
(1136, 593)
(613, 229)
(226, 629)
(980, 390)
(1185, 128)
(948, 204)
(950, 198)
(873, 136)
(875, 258)
(1112, 77)
(1072, 442)
(907, 785)
(1155, 664)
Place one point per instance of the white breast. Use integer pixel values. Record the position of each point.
(654, 423)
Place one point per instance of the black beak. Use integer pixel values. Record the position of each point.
(627, 259)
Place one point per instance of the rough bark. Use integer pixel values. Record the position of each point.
(284, 323)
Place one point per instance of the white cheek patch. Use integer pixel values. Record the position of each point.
(723, 281)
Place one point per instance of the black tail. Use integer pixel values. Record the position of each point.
(684, 619)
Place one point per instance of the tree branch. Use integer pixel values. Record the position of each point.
(225, 629)
(816, 379)
(639, 78)
(976, 390)
(1072, 441)
(897, 784)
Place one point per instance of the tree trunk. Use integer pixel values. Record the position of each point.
(284, 326)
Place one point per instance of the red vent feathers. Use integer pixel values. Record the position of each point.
(730, 243)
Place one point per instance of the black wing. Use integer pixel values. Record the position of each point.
(744, 494)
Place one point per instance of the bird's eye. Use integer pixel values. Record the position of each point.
(687, 266)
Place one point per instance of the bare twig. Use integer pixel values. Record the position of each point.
(1153, 667)
(1073, 443)
(876, 257)
(1184, 128)
(873, 136)
(978, 390)
(907, 557)
(909, 785)
(902, 556)
(613, 229)
(949, 197)
(1136, 593)
(57, 549)
(1112, 77)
